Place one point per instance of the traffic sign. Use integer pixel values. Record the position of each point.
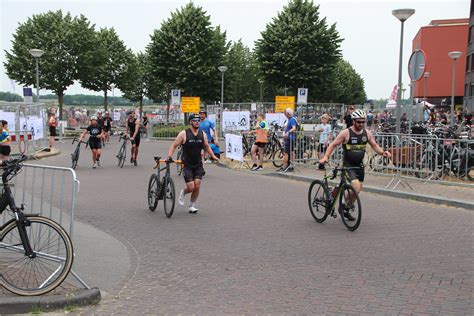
(190, 104)
(417, 65)
(283, 102)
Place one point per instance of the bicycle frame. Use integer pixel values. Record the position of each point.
(344, 179)
(167, 170)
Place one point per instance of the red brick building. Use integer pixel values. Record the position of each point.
(436, 40)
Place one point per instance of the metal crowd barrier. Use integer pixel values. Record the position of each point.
(49, 191)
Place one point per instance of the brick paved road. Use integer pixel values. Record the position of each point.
(254, 248)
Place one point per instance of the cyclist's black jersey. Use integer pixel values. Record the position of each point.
(101, 121)
(354, 150)
(131, 127)
(192, 149)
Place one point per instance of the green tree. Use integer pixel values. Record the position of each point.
(347, 85)
(185, 53)
(241, 78)
(10, 97)
(298, 49)
(67, 43)
(108, 65)
(133, 80)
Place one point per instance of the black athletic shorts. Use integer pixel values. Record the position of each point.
(136, 141)
(190, 174)
(5, 150)
(322, 148)
(259, 144)
(52, 131)
(356, 174)
(95, 143)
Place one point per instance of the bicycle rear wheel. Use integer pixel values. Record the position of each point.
(277, 158)
(48, 269)
(351, 211)
(121, 156)
(75, 158)
(318, 196)
(153, 192)
(169, 196)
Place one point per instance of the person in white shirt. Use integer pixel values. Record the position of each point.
(324, 130)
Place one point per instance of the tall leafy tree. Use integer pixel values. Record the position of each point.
(299, 49)
(186, 51)
(241, 78)
(67, 43)
(347, 85)
(109, 64)
(133, 80)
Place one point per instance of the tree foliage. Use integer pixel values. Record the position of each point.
(133, 82)
(10, 97)
(299, 49)
(67, 43)
(185, 53)
(108, 65)
(241, 78)
(347, 85)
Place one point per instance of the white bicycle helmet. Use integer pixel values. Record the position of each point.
(358, 114)
(93, 117)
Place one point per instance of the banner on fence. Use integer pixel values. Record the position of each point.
(275, 118)
(236, 120)
(190, 104)
(283, 102)
(35, 126)
(233, 147)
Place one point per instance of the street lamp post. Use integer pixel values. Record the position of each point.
(260, 81)
(36, 53)
(454, 56)
(222, 69)
(402, 15)
(426, 75)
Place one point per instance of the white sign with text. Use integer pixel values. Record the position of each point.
(233, 147)
(235, 121)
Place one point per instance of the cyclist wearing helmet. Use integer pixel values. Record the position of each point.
(193, 141)
(95, 140)
(107, 126)
(354, 140)
(133, 126)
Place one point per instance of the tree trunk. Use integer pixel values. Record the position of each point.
(167, 112)
(105, 100)
(61, 104)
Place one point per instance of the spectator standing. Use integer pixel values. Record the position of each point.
(52, 123)
(348, 118)
(324, 130)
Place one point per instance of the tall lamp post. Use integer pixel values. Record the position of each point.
(222, 69)
(402, 15)
(426, 75)
(37, 53)
(260, 81)
(454, 56)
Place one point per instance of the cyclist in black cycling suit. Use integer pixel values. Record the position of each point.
(133, 126)
(95, 140)
(193, 141)
(354, 140)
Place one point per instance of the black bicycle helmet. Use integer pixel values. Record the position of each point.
(203, 111)
(193, 117)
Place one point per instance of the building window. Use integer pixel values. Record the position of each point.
(471, 92)
(471, 34)
(472, 63)
(468, 63)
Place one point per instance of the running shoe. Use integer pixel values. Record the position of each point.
(94, 165)
(259, 168)
(98, 163)
(135, 162)
(193, 209)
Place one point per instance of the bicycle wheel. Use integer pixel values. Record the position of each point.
(426, 168)
(179, 156)
(318, 196)
(169, 196)
(121, 156)
(75, 158)
(48, 269)
(277, 158)
(22, 146)
(351, 211)
(153, 192)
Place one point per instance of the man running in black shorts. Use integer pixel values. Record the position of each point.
(133, 126)
(95, 140)
(354, 140)
(193, 141)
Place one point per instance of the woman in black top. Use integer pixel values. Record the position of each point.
(133, 127)
(95, 140)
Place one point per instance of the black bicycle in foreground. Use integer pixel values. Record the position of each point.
(77, 151)
(122, 154)
(322, 199)
(162, 188)
(36, 253)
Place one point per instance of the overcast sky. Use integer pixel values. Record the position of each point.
(371, 34)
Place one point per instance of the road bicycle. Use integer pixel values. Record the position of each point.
(322, 199)
(162, 188)
(36, 253)
(122, 154)
(179, 156)
(77, 151)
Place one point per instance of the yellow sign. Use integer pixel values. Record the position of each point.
(283, 102)
(190, 104)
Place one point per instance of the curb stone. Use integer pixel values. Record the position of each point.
(27, 304)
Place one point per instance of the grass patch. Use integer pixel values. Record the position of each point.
(36, 311)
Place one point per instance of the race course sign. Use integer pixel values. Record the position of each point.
(283, 102)
(235, 121)
(190, 104)
(233, 147)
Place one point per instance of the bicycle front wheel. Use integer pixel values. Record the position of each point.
(350, 207)
(153, 192)
(278, 157)
(121, 156)
(75, 159)
(169, 196)
(52, 262)
(318, 196)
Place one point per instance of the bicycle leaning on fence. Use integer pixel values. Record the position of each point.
(162, 188)
(36, 253)
(322, 200)
(122, 154)
(77, 151)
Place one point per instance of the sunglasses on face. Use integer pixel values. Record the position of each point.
(196, 120)
(360, 122)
